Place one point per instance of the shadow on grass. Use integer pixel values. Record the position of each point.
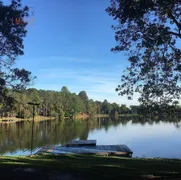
(98, 167)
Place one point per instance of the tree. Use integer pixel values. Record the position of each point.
(66, 101)
(149, 30)
(65, 90)
(124, 109)
(33, 95)
(11, 44)
(115, 109)
(74, 105)
(134, 109)
(98, 107)
(22, 109)
(7, 103)
(91, 107)
(83, 96)
(106, 107)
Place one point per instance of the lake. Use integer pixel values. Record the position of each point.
(145, 138)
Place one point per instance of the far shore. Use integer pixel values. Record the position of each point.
(86, 116)
(7, 120)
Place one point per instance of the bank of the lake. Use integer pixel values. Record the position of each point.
(14, 119)
(86, 116)
(88, 167)
(82, 116)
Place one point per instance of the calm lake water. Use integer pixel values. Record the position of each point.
(145, 139)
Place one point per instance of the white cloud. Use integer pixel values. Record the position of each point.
(98, 85)
(98, 78)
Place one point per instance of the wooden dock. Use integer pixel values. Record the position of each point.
(81, 143)
(107, 150)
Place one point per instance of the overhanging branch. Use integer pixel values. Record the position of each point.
(175, 34)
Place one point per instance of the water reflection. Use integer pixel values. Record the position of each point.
(16, 138)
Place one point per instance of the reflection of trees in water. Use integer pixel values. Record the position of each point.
(157, 120)
(177, 125)
(17, 136)
(85, 133)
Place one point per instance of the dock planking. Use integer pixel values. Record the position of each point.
(108, 150)
(81, 143)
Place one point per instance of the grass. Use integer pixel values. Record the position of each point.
(88, 167)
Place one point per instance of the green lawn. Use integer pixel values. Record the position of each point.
(87, 167)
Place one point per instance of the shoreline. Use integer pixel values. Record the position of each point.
(10, 120)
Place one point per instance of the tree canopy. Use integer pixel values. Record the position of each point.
(11, 44)
(149, 31)
(54, 103)
(83, 95)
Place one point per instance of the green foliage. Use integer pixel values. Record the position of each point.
(83, 96)
(149, 32)
(106, 107)
(11, 45)
(157, 111)
(52, 103)
(7, 103)
(61, 115)
(91, 107)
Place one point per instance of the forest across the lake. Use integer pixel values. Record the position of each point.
(59, 104)
(64, 104)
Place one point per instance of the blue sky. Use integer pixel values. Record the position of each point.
(68, 44)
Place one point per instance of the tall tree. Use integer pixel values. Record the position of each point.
(12, 33)
(33, 95)
(83, 96)
(149, 31)
(106, 107)
(66, 101)
(91, 107)
(7, 103)
(65, 90)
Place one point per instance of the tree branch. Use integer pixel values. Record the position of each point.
(176, 22)
(175, 34)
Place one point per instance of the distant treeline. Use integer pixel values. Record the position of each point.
(61, 103)
(156, 110)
